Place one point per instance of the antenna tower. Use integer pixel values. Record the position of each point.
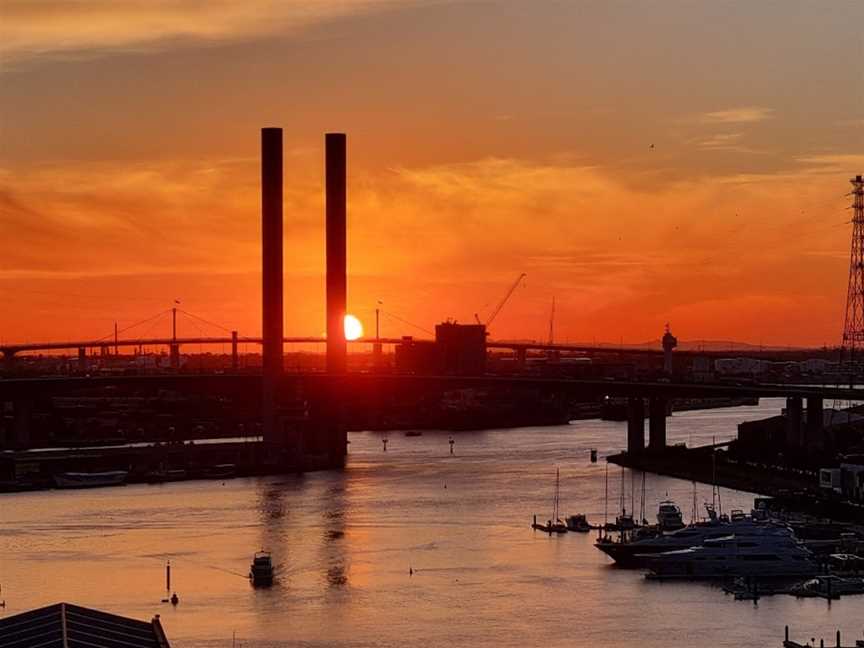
(853, 331)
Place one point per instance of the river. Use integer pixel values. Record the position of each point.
(344, 542)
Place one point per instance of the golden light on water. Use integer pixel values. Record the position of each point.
(353, 328)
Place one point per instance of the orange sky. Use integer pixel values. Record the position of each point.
(485, 140)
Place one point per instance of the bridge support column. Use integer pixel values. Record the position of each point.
(635, 426)
(174, 352)
(813, 429)
(335, 163)
(82, 358)
(521, 357)
(657, 423)
(794, 416)
(8, 360)
(22, 422)
(329, 435)
(377, 356)
(235, 364)
(272, 332)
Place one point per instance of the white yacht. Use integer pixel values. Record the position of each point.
(669, 516)
(775, 555)
(634, 553)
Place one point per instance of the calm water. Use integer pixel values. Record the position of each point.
(344, 542)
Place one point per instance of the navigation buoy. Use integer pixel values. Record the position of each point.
(175, 599)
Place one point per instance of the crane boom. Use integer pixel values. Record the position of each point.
(506, 298)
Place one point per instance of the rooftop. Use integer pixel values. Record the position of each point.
(64, 625)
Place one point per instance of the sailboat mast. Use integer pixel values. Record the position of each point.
(623, 511)
(713, 474)
(642, 501)
(555, 503)
(606, 507)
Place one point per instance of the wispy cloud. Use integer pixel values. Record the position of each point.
(744, 115)
(85, 28)
(832, 159)
(730, 142)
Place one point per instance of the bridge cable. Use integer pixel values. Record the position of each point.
(404, 321)
(131, 326)
(219, 326)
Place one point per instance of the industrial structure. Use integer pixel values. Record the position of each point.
(853, 330)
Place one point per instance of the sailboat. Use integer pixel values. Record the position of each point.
(554, 525)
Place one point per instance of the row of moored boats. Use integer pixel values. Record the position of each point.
(119, 477)
(751, 547)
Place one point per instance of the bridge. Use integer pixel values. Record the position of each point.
(335, 392)
(338, 395)
(518, 347)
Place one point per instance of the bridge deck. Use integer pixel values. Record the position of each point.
(15, 387)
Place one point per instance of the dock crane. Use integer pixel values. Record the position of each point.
(503, 301)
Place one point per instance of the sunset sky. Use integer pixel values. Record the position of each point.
(485, 139)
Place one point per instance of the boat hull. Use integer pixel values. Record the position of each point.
(90, 480)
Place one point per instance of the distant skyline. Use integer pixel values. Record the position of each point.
(642, 162)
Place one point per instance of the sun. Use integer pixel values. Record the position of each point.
(353, 328)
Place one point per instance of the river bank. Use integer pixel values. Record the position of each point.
(794, 489)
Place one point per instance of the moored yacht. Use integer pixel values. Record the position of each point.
(764, 556)
(633, 553)
(669, 516)
(90, 479)
(555, 524)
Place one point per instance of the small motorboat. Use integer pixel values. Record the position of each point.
(413, 433)
(578, 523)
(90, 479)
(829, 587)
(261, 571)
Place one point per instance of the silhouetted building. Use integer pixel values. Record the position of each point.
(462, 348)
(458, 349)
(417, 357)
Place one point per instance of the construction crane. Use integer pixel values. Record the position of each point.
(503, 301)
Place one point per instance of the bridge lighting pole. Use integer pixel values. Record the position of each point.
(376, 347)
(174, 348)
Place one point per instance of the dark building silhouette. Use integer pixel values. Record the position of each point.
(462, 348)
(458, 349)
